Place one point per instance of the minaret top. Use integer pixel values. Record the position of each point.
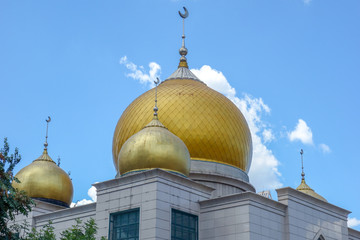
(183, 72)
(155, 121)
(302, 165)
(44, 156)
(157, 81)
(183, 50)
(47, 128)
(303, 187)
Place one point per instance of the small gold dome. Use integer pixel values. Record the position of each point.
(303, 187)
(154, 147)
(211, 126)
(44, 180)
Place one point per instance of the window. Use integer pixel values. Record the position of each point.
(124, 225)
(184, 226)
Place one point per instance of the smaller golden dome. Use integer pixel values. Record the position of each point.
(303, 187)
(154, 147)
(44, 180)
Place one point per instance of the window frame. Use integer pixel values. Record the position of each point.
(184, 214)
(115, 214)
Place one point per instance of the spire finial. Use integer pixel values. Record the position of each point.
(47, 127)
(302, 165)
(183, 50)
(157, 81)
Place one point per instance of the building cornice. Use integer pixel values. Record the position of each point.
(88, 208)
(243, 198)
(152, 175)
(353, 233)
(288, 193)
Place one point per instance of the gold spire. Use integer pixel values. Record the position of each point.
(157, 81)
(47, 127)
(45, 156)
(183, 72)
(302, 165)
(155, 121)
(303, 187)
(183, 50)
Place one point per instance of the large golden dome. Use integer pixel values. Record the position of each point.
(154, 147)
(44, 180)
(210, 125)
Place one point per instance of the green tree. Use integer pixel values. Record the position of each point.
(12, 201)
(79, 231)
(86, 231)
(46, 233)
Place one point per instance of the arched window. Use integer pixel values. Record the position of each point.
(321, 237)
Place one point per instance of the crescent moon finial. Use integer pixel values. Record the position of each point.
(156, 108)
(47, 126)
(302, 165)
(157, 81)
(183, 49)
(185, 15)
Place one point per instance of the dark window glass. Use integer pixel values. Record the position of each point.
(124, 225)
(184, 226)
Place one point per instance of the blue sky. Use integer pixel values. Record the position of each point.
(285, 63)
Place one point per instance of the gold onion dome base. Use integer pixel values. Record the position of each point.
(303, 187)
(154, 147)
(43, 179)
(210, 125)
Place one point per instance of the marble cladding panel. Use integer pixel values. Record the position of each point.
(228, 223)
(266, 223)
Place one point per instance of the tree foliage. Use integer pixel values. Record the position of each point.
(79, 231)
(12, 201)
(46, 233)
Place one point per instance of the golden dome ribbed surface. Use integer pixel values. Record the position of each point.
(43, 179)
(210, 125)
(303, 187)
(154, 147)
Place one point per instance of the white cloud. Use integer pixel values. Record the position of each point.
(81, 202)
(324, 148)
(353, 222)
(263, 172)
(268, 136)
(302, 133)
(139, 73)
(91, 193)
(215, 79)
(307, 1)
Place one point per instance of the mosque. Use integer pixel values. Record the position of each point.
(182, 175)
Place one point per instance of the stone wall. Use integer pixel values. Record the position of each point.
(242, 216)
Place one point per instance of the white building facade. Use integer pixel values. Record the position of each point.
(157, 204)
